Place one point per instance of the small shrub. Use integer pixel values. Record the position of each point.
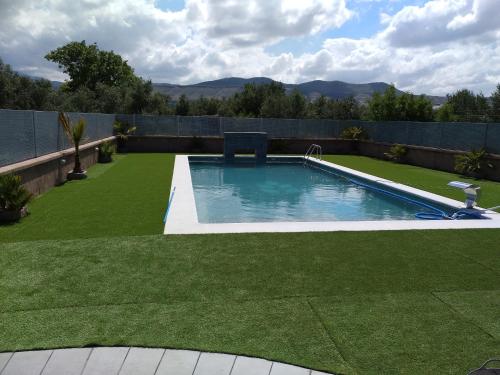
(354, 133)
(396, 153)
(106, 151)
(122, 130)
(472, 163)
(13, 195)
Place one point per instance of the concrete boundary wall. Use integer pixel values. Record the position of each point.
(44, 172)
(427, 157)
(448, 136)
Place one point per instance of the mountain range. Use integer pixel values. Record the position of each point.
(226, 87)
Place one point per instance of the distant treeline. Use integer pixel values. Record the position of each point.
(101, 81)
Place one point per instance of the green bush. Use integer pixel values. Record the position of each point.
(354, 133)
(13, 195)
(123, 129)
(472, 163)
(106, 151)
(396, 153)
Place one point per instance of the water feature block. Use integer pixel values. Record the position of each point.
(245, 141)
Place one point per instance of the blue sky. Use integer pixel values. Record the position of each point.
(173, 5)
(423, 46)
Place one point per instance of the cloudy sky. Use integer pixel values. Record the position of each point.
(433, 46)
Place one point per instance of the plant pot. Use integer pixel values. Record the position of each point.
(7, 216)
(105, 159)
(76, 175)
(121, 146)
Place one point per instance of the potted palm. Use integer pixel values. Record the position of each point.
(74, 133)
(106, 151)
(122, 131)
(13, 198)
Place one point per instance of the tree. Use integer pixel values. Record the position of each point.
(296, 104)
(495, 105)
(445, 113)
(404, 107)
(182, 106)
(469, 107)
(274, 106)
(86, 66)
(319, 108)
(19, 92)
(140, 95)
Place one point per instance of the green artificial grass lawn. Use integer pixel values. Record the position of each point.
(421, 178)
(126, 197)
(350, 302)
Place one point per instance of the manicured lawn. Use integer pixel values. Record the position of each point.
(127, 197)
(421, 178)
(413, 302)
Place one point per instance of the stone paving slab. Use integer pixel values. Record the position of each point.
(178, 362)
(67, 361)
(105, 361)
(27, 363)
(251, 366)
(139, 361)
(284, 369)
(4, 358)
(214, 364)
(142, 361)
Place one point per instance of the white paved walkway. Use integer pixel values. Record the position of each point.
(139, 361)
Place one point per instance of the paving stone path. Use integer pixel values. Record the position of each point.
(139, 361)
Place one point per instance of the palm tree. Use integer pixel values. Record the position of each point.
(75, 136)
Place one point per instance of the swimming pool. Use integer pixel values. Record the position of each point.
(284, 194)
(290, 191)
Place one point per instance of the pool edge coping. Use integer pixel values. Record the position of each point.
(182, 216)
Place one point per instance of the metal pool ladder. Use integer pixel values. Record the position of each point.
(313, 149)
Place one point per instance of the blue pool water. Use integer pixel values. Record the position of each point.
(235, 193)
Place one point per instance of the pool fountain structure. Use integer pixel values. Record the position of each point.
(255, 142)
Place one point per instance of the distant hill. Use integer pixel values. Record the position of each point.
(226, 87)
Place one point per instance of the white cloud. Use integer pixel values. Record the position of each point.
(435, 48)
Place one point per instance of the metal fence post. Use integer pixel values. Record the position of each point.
(34, 131)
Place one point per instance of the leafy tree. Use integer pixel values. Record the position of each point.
(296, 104)
(405, 107)
(158, 104)
(140, 96)
(275, 106)
(495, 105)
(204, 106)
(19, 92)
(445, 113)
(87, 66)
(469, 107)
(345, 109)
(319, 108)
(182, 106)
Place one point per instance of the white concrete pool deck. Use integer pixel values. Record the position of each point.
(182, 218)
(139, 361)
